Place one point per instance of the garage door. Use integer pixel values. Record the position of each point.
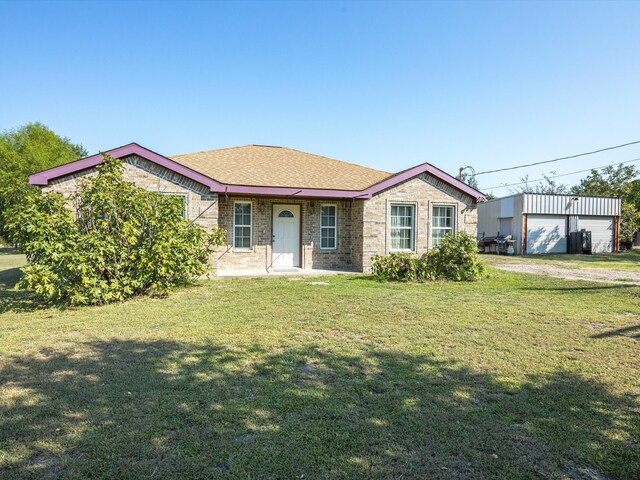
(601, 229)
(546, 234)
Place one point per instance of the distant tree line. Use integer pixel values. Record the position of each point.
(26, 150)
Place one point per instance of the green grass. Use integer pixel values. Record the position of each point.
(517, 376)
(10, 264)
(628, 261)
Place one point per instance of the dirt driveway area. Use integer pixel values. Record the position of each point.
(609, 275)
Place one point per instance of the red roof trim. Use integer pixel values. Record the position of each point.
(417, 170)
(44, 177)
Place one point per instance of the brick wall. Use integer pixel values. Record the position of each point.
(357, 230)
(201, 204)
(423, 193)
(362, 225)
(259, 255)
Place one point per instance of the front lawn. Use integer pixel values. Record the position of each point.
(516, 376)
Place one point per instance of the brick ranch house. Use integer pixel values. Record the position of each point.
(286, 209)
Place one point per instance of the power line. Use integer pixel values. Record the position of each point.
(558, 159)
(561, 175)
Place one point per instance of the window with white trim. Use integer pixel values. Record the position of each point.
(402, 227)
(442, 222)
(242, 225)
(328, 237)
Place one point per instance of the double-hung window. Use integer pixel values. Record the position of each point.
(328, 216)
(242, 225)
(402, 227)
(442, 222)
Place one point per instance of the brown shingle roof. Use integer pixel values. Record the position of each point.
(261, 165)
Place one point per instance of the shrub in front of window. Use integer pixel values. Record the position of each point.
(395, 267)
(123, 241)
(402, 267)
(455, 258)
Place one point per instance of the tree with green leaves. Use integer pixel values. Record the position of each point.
(633, 194)
(26, 150)
(608, 182)
(121, 241)
(616, 181)
(629, 222)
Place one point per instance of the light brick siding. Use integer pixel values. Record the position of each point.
(357, 215)
(362, 225)
(424, 192)
(200, 202)
(259, 255)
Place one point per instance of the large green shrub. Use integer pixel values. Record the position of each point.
(455, 258)
(123, 241)
(400, 266)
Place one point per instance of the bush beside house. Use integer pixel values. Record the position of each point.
(123, 241)
(455, 258)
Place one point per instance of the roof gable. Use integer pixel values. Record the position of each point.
(418, 170)
(286, 172)
(43, 178)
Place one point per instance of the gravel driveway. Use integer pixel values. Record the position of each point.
(594, 275)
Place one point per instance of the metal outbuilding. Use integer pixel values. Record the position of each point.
(541, 223)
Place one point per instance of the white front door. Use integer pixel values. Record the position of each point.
(286, 236)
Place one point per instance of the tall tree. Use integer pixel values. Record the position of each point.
(617, 181)
(610, 181)
(633, 194)
(26, 150)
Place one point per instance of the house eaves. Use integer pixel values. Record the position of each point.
(45, 177)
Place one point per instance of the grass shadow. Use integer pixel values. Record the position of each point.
(12, 300)
(163, 409)
(579, 288)
(632, 331)
(9, 278)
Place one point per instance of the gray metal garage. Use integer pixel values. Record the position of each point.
(540, 223)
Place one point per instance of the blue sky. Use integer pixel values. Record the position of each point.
(388, 85)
